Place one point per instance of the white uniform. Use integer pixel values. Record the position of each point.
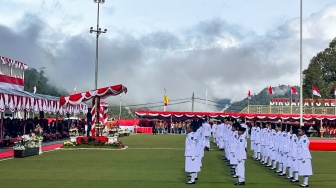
(220, 130)
(253, 129)
(233, 147)
(214, 132)
(294, 168)
(241, 157)
(257, 143)
(304, 156)
(191, 154)
(206, 133)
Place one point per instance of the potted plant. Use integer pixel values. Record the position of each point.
(27, 146)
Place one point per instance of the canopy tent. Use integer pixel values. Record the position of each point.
(22, 100)
(164, 114)
(103, 93)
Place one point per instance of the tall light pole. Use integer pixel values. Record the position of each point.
(98, 31)
(301, 79)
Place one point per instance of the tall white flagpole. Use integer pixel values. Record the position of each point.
(301, 89)
(206, 100)
(120, 107)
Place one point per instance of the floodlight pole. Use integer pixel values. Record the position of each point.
(98, 31)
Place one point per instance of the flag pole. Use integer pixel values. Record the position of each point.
(335, 100)
(301, 89)
(120, 107)
(248, 104)
(291, 99)
(206, 100)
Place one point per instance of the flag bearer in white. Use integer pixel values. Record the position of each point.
(263, 142)
(304, 157)
(294, 165)
(271, 145)
(286, 150)
(206, 133)
(191, 155)
(200, 144)
(241, 156)
(214, 131)
(257, 142)
(220, 130)
(234, 149)
(253, 130)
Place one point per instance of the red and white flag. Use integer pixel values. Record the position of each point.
(335, 90)
(316, 91)
(34, 89)
(270, 90)
(75, 89)
(293, 91)
(249, 94)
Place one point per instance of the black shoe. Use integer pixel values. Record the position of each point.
(196, 178)
(282, 174)
(294, 181)
(190, 182)
(278, 171)
(233, 173)
(290, 178)
(268, 165)
(303, 185)
(235, 176)
(239, 183)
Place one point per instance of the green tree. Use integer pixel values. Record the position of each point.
(36, 78)
(321, 72)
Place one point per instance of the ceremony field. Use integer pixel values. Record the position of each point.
(150, 161)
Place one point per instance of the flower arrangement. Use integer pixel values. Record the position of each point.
(73, 131)
(27, 141)
(38, 131)
(70, 144)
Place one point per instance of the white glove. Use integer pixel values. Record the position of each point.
(192, 158)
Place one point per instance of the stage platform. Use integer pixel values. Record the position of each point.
(322, 145)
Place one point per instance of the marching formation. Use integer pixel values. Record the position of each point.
(275, 145)
(230, 136)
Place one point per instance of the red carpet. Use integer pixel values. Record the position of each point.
(7, 154)
(322, 145)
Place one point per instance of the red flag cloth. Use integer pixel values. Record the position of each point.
(294, 92)
(316, 91)
(335, 90)
(270, 90)
(249, 94)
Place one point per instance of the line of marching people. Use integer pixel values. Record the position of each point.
(277, 146)
(230, 136)
(197, 140)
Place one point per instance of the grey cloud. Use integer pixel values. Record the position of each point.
(183, 63)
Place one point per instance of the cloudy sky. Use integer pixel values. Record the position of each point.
(223, 46)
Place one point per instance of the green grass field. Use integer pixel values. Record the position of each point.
(150, 161)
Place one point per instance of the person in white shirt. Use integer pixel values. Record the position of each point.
(214, 131)
(253, 130)
(257, 142)
(304, 158)
(191, 154)
(206, 133)
(294, 165)
(241, 156)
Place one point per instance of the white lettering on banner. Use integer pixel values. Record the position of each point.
(307, 102)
